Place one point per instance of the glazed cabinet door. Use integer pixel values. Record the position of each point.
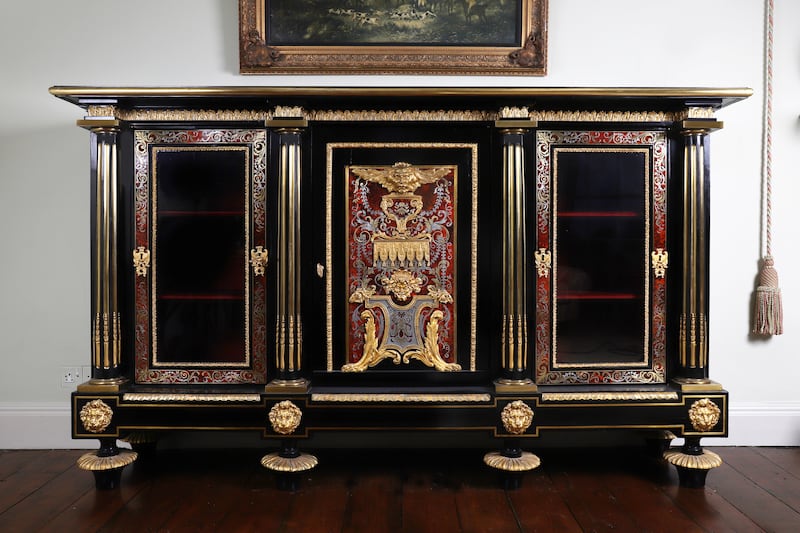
(600, 242)
(200, 256)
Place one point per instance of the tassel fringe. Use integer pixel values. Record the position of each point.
(768, 312)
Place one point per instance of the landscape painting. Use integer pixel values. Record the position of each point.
(417, 22)
(491, 37)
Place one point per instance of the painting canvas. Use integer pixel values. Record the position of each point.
(393, 36)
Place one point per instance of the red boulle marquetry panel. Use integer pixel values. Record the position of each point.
(200, 207)
(401, 256)
(601, 208)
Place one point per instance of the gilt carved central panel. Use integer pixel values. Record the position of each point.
(401, 253)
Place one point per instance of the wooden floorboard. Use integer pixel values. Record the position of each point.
(755, 501)
(415, 491)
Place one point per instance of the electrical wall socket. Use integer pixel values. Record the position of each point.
(71, 376)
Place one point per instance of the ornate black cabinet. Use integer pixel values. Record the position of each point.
(297, 260)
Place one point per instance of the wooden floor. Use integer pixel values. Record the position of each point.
(757, 489)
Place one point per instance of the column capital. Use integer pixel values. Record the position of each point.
(99, 124)
(700, 126)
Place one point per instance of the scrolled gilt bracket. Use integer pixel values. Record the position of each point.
(428, 352)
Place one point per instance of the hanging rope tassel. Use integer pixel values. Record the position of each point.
(768, 311)
(768, 306)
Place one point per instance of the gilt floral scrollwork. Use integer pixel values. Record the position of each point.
(96, 416)
(285, 417)
(362, 294)
(440, 295)
(517, 417)
(704, 415)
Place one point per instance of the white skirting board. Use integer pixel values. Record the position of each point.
(47, 426)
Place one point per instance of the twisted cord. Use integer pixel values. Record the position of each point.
(766, 171)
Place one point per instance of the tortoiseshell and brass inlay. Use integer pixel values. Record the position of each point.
(241, 209)
(640, 216)
(410, 263)
(401, 254)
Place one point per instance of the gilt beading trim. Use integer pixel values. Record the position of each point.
(400, 398)
(171, 397)
(606, 396)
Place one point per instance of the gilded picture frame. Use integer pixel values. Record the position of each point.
(475, 37)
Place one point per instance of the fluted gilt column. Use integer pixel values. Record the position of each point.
(693, 338)
(106, 329)
(289, 125)
(513, 124)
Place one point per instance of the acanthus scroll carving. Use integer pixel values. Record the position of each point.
(256, 51)
(527, 56)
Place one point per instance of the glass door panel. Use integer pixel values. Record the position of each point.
(600, 223)
(200, 233)
(601, 210)
(206, 211)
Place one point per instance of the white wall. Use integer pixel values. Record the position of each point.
(44, 245)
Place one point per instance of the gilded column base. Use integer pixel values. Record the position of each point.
(107, 463)
(693, 466)
(92, 461)
(513, 386)
(705, 461)
(526, 461)
(278, 463)
(291, 386)
(102, 385)
(696, 384)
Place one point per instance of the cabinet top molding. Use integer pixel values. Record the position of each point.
(534, 97)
